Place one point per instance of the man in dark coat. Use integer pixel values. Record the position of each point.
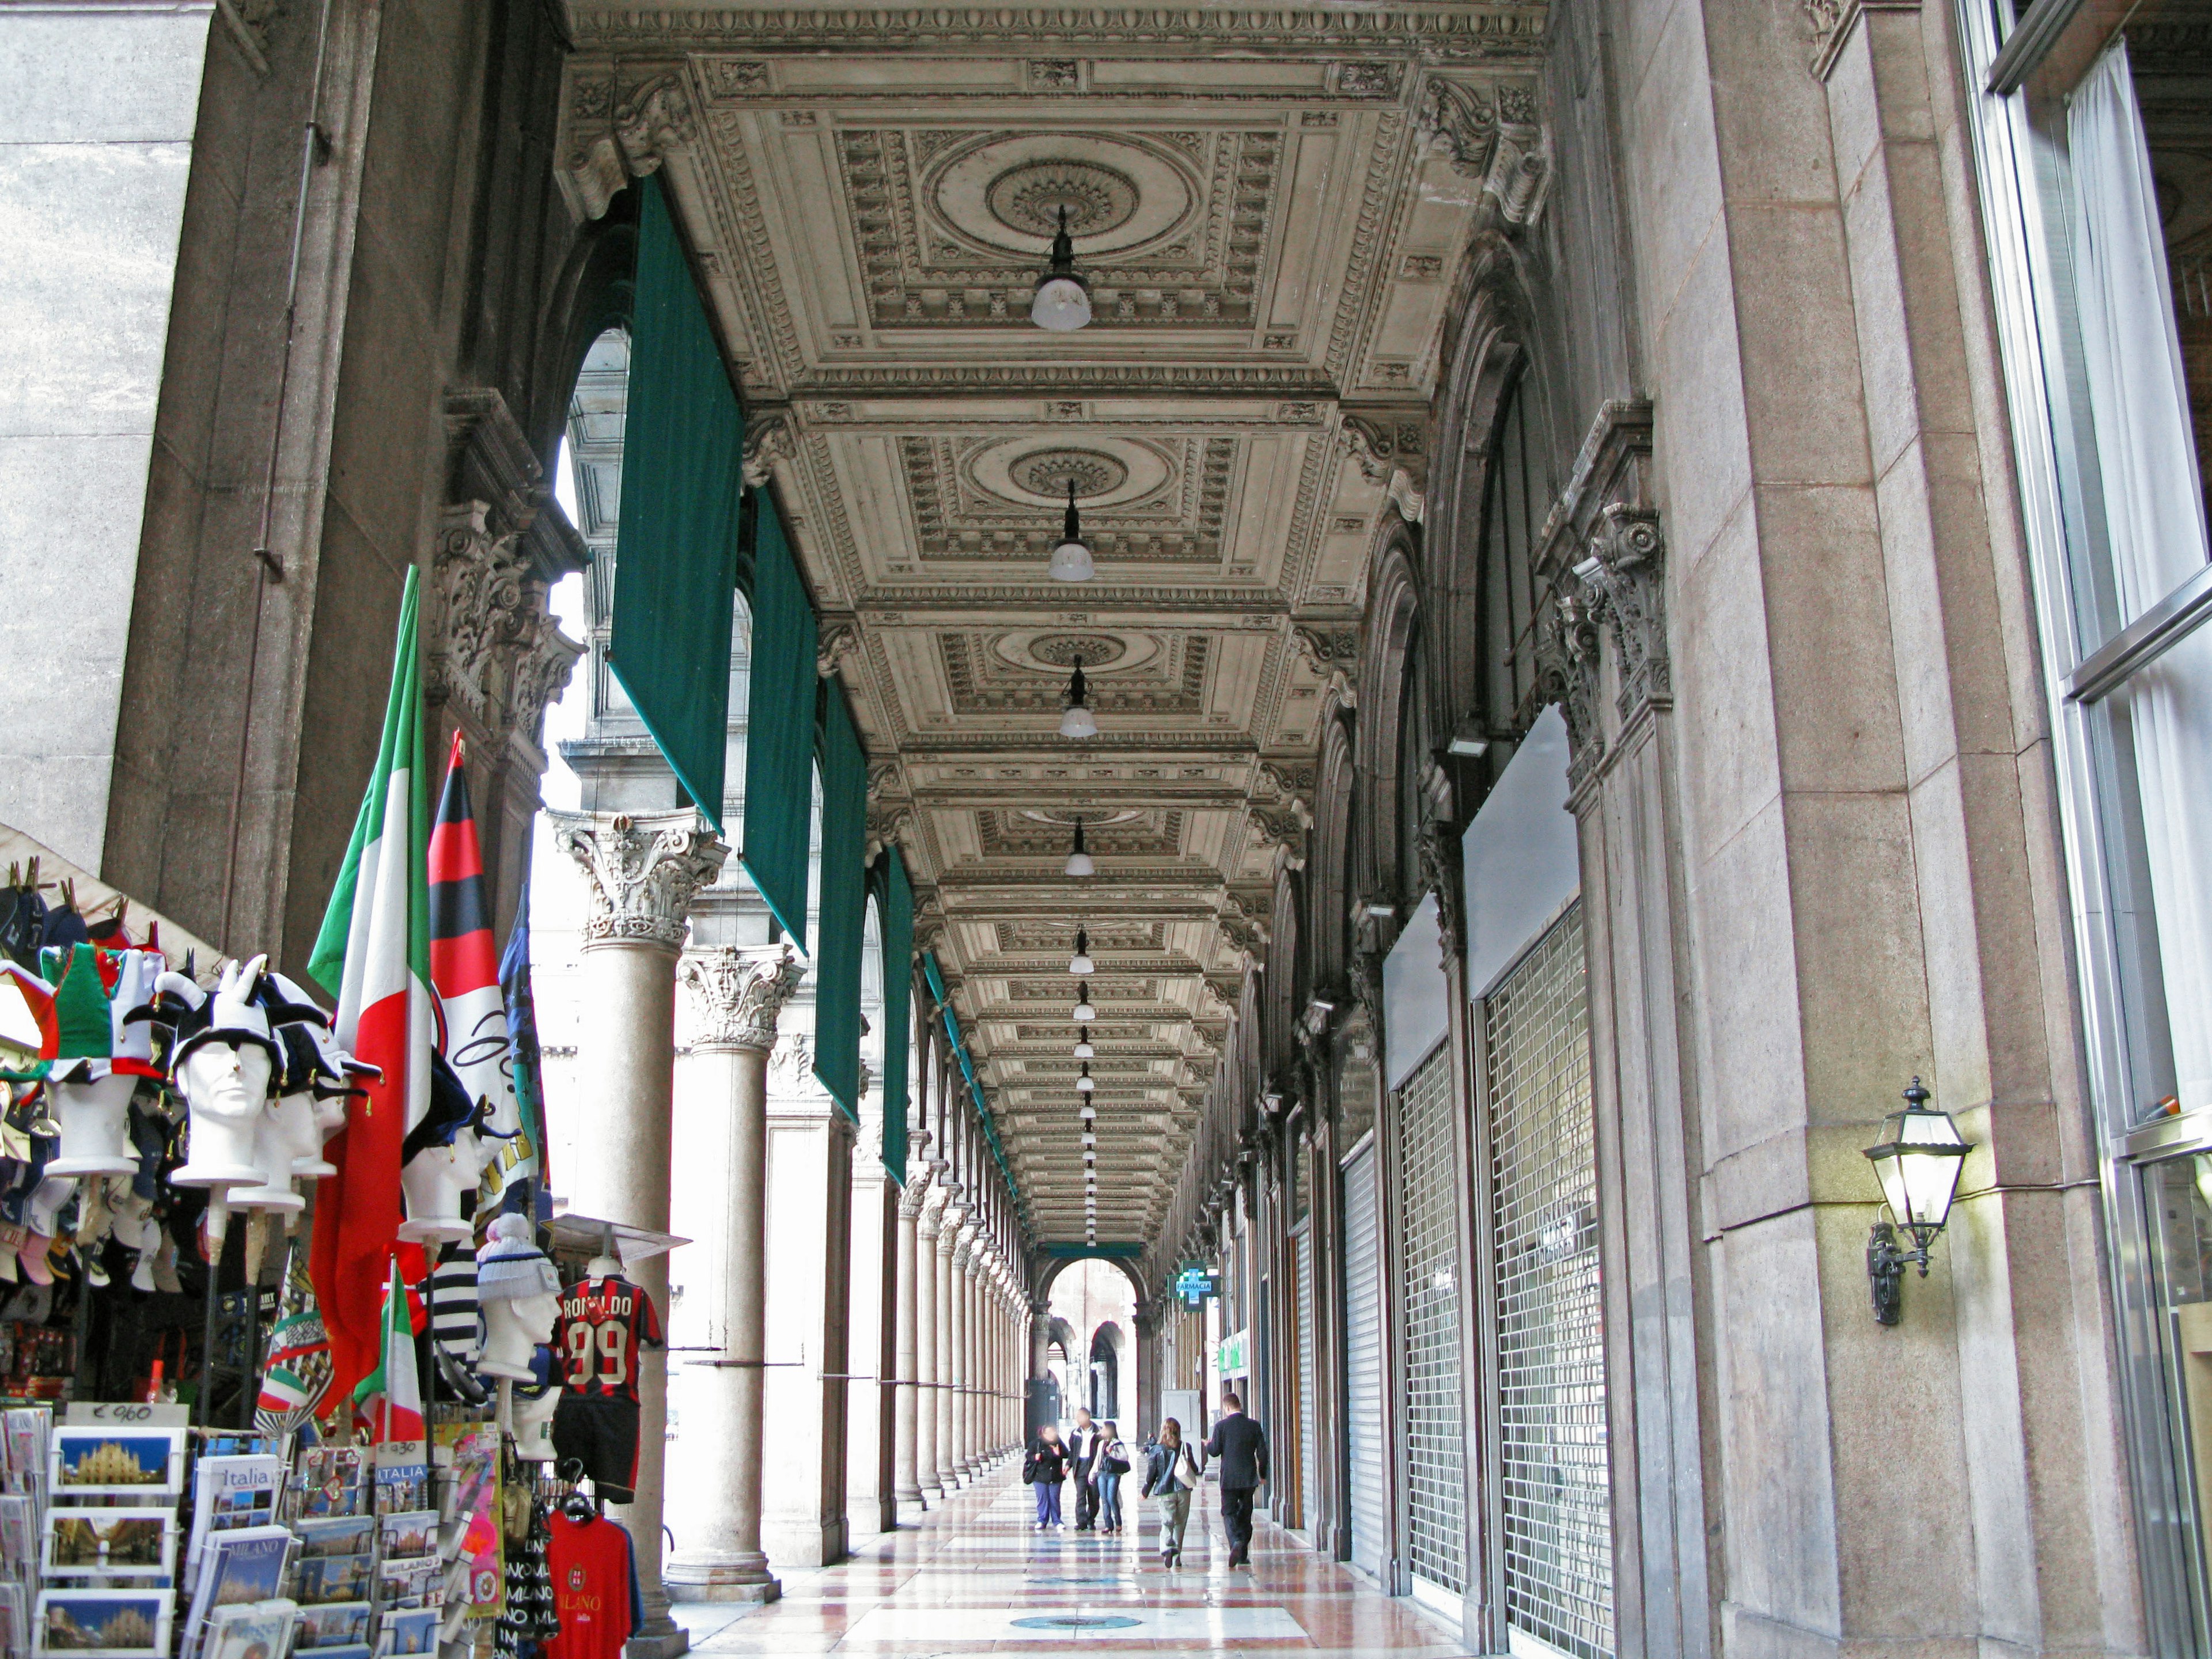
(1240, 1446)
(1083, 1460)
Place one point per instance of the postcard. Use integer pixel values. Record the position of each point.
(15, 1622)
(420, 1582)
(330, 1481)
(255, 1629)
(342, 1624)
(414, 1533)
(336, 1534)
(247, 1565)
(145, 1463)
(112, 1543)
(412, 1631)
(103, 1624)
(229, 1492)
(323, 1578)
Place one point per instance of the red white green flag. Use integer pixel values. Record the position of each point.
(465, 972)
(392, 1394)
(374, 955)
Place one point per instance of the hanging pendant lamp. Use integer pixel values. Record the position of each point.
(1070, 560)
(1083, 1085)
(1077, 722)
(1083, 1048)
(1062, 304)
(1081, 962)
(1079, 861)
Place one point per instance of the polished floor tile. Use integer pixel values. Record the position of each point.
(972, 1577)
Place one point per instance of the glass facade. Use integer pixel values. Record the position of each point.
(2092, 137)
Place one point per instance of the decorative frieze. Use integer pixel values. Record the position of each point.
(738, 995)
(644, 871)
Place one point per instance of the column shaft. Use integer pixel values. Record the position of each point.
(906, 1351)
(947, 1478)
(927, 1371)
(722, 1193)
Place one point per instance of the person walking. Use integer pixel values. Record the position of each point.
(1240, 1444)
(1112, 1463)
(1083, 1456)
(1044, 1467)
(1171, 1474)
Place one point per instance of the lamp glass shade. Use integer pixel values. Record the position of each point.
(1083, 1086)
(1079, 864)
(1080, 963)
(1089, 1138)
(1061, 305)
(1071, 563)
(1087, 1112)
(1077, 721)
(1085, 1013)
(1917, 1162)
(1083, 1048)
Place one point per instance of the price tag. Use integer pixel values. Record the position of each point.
(118, 1412)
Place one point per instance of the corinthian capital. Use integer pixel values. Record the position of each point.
(738, 995)
(645, 871)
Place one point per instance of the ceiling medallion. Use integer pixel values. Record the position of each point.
(1093, 651)
(1029, 199)
(1051, 471)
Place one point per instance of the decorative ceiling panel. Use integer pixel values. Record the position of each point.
(1272, 210)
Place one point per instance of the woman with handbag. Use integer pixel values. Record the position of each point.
(1171, 1474)
(1044, 1468)
(1113, 1463)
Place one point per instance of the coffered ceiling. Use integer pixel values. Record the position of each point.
(1270, 209)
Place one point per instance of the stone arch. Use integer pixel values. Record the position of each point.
(1390, 697)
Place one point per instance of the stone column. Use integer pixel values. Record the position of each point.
(907, 1344)
(948, 1239)
(644, 869)
(928, 1372)
(871, 1318)
(720, 1194)
(964, 1369)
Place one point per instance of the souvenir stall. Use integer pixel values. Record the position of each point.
(296, 1357)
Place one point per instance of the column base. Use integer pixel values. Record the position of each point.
(932, 1490)
(658, 1637)
(735, 1575)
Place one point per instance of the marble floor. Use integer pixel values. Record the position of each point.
(972, 1577)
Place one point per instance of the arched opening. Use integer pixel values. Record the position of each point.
(1094, 1301)
(1106, 1346)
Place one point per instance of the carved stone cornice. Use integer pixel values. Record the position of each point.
(1437, 848)
(1487, 32)
(1331, 651)
(644, 871)
(739, 994)
(1493, 133)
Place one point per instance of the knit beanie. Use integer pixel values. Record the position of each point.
(511, 1267)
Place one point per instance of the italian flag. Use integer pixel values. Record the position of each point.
(394, 1383)
(374, 955)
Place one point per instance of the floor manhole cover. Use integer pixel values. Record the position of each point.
(1077, 1621)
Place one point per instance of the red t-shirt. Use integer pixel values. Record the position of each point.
(590, 1562)
(603, 1323)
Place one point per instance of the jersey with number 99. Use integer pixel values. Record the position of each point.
(603, 1323)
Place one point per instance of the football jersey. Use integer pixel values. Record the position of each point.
(595, 1596)
(604, 1322)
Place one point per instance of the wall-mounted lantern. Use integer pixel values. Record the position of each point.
(1917, 1162)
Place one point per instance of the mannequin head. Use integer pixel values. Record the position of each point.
(514, 1327)
(533, 1424)
(520, 1296)
(94, 1115)
(223, 1063)
(441, 1159)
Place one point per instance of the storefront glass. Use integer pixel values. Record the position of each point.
(2092, 135)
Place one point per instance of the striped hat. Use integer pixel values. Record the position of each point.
(511, 1267)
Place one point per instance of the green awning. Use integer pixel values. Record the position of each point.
(898, 900)
(675, 552)
(780, 727)
(844, 905)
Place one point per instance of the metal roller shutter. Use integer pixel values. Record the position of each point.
(1362, 1350)
(1306, 1470)
(1435, 1437)
(1557, 1523)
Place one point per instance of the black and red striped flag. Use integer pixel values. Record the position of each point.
(465, 972)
